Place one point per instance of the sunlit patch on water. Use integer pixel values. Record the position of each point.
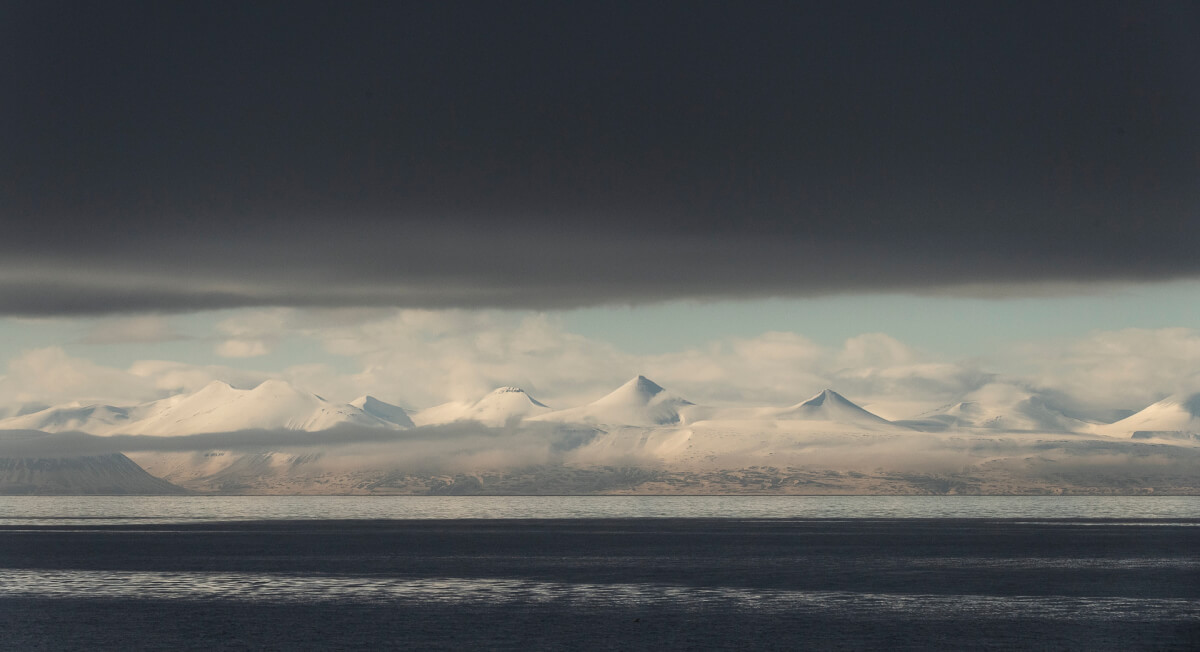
(282, 588)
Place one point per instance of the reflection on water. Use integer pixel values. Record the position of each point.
(277, 588)
(47, 510)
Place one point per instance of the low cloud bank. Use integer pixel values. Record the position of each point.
(468, 447)
(463, 444)
(467, 458)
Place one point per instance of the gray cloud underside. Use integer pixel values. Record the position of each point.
(163, 157)
(566, 271)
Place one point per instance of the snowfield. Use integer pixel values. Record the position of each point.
(276, 438)
(639, 403)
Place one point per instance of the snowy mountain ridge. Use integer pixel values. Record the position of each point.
(501, 406)
(217, 407)
(1178, 413)
(638, 403)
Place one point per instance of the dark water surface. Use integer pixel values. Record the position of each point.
(609, 583)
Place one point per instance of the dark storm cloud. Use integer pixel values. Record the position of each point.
(171, 156)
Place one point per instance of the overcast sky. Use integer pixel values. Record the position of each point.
(981, 183)
(182, 156)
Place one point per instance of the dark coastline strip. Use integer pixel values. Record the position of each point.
(720, 523)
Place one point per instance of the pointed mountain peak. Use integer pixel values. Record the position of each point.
(639, 402)
(214, 388)
(642, 385)
(826, 395)
(506, 392)
(641, 390)
(828, 405)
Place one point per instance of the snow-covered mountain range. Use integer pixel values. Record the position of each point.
(217, 407)
(639, 403)
(1001, 407)
(277, 438)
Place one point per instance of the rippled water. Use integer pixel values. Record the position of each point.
(263, 587)
(44, 510)
(739, 573)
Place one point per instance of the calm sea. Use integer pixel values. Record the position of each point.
(607, 572)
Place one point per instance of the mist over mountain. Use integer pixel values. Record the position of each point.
(641, 437)
(640, 402)
(1001, 406)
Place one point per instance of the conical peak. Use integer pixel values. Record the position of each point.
(825, 395)
(213, 389)
(644, 385)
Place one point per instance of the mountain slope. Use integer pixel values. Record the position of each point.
(828, 405)
(1001, 407)
(1177, 413)
(383, 411)
(110, 474)
(217, 407)
(639, 402)
(500, 406)
(71, 417)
